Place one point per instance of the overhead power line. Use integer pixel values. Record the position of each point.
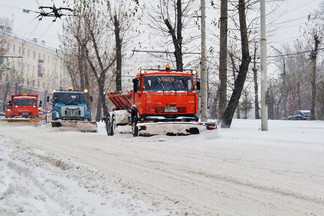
(294, 54)
(166, 52)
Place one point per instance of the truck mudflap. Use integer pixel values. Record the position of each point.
(174, 128)
(26, 120)
(83, 126)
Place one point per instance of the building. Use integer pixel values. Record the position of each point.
(29, 67)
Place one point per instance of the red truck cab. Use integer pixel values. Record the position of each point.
(25, 106)
(165, 95)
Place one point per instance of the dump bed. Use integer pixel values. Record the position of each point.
(122, 101)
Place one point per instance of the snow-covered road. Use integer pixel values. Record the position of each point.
(237, 171)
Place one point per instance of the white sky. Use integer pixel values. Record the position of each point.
(291, 15)
(27, 25)
(286, 21)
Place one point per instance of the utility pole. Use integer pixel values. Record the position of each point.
(264, 92)
(203, 65)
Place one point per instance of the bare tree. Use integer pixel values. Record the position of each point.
(246, 58)
(171, 18)
(314, 54)
(120, 13)
(94, 49)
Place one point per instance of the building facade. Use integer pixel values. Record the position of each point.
(29, 67)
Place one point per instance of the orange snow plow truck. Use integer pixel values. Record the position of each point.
(161, 102)
(23, 108)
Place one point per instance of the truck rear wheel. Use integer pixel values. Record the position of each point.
(109, 127)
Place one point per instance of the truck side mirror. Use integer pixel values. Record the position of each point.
(47, 98)
(135, 85)
(198, 85)
(40, 103)
(10, 103)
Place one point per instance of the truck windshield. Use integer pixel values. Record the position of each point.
(168, 83)
(69, 98)
(24, 102)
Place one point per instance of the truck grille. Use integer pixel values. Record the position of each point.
(162, 109)
(72, 112)
(69, 112)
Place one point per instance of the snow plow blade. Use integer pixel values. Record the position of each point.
(174, 128)
(26, 120)
(82, 126)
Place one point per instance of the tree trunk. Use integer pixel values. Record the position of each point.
(271, 103)
(239, 82)
(177, 36)
(298, 94)
(238, 112)
(284, 89)
(118, 55)
(81, 64)
(222, 90)
(313, 75)
(99, 104)
(256, 88)
(7, 90)
(72, 77)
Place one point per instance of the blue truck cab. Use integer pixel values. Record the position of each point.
(70, 105)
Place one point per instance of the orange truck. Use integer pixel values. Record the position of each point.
(23, 108)
(161, 102)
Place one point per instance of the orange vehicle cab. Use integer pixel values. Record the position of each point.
(25, 106)
(165, 95)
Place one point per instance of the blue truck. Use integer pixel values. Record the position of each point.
(69, 109)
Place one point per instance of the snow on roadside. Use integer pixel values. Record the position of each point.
(236, 171)
(33, 182)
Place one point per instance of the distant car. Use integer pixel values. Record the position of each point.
(300, 115)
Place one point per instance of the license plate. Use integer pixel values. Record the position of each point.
(25, 113)
(171, 109)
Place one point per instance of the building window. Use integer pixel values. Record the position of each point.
(14, 48)
(19, 50)
(34, 54)
(39, 55)
(38, 84)
(23, 52)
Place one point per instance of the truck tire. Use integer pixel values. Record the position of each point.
(109, 127)
(113, 126)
